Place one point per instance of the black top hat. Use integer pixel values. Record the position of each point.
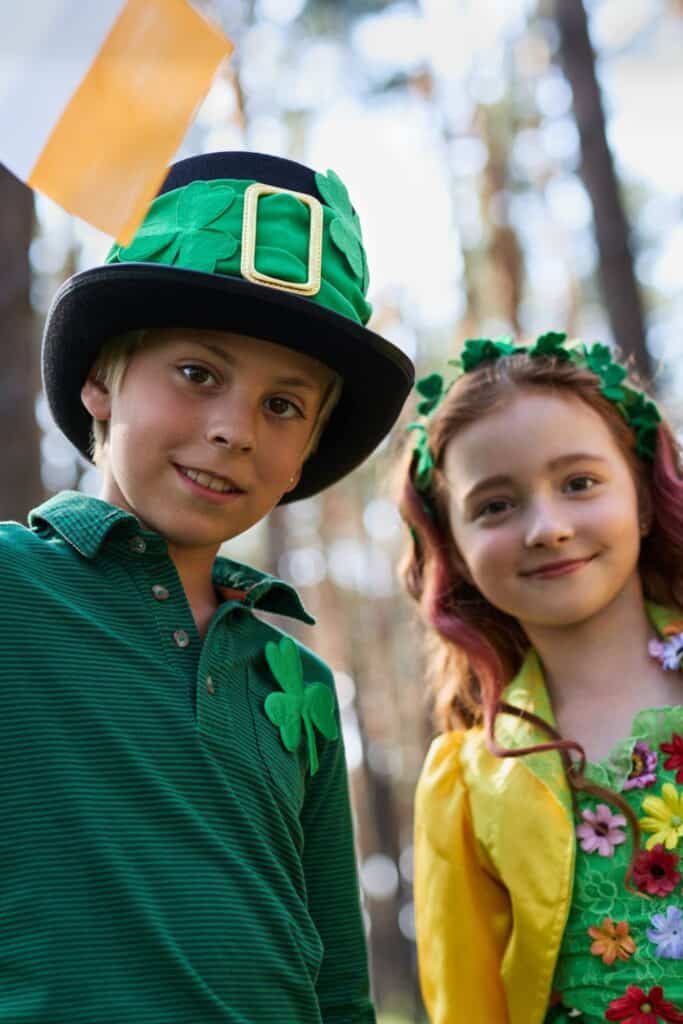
(227, 246)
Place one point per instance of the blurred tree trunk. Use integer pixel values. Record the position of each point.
(620, 289)
(19, 379)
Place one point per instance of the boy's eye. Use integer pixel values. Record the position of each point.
(283, 408)
(197, 374)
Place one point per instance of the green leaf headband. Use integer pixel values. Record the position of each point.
(638, 410)
(267, 235)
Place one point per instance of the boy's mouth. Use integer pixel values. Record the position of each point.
(220, 484)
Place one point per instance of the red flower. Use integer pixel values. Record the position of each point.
(675, 748)
(637, 1008)
(655, 871)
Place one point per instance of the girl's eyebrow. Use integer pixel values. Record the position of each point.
(290, 382)
(563, 460)
(503, 479)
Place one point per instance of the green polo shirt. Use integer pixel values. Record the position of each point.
(164, 859)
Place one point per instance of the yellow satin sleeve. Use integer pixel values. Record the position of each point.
(462, 910)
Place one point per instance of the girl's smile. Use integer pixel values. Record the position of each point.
(552, 569)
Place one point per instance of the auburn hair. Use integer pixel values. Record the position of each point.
(474, 649)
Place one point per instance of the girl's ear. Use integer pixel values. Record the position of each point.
(645, 514)
(96, 397)
(460, 566)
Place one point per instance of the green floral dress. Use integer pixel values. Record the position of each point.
(621, 957)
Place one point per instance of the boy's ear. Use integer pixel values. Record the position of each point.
(294, 479)
(96, 397)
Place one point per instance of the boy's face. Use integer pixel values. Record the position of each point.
(207, 431)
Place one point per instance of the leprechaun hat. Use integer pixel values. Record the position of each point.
(252, 244)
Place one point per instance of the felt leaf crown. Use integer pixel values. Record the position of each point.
(638, 410)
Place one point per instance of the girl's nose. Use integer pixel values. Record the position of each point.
(547, 526)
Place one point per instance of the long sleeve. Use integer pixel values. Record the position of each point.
(333, 894)
(462, 911)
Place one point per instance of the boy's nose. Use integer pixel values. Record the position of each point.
(233, 429)
(547, 527)
(238, 444)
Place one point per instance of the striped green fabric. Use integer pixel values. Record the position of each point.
(164, 859)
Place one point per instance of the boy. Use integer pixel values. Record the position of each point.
(177, 844)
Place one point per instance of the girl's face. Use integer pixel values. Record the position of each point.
(543, 509)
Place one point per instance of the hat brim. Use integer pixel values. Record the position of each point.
(101, 303)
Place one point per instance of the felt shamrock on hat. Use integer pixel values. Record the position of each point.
(310, 703)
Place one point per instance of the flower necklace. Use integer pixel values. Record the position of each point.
(669, 652)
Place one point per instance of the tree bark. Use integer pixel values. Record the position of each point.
(619, 285)
(19, 376)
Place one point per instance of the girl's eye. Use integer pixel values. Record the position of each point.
(283, 408)
(197, 374)
(494, 508)
(581, 483)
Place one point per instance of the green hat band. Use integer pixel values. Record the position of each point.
(271, 236)
(638, 410)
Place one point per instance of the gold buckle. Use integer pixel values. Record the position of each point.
(315, 240)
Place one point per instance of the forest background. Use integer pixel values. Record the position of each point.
(516, 166)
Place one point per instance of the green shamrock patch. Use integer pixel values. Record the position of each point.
(345, 229)
(309, 703)
(196, 242)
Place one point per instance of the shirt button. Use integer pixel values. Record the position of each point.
(210, 685)
(161, 593)
(138, 545)
(181, 638)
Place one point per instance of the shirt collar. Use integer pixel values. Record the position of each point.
(82, 521)
(86, 523)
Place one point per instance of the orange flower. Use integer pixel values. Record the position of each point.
(611, 941)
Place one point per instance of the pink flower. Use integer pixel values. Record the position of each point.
(643, 767)
(600, 830)
(668, 652)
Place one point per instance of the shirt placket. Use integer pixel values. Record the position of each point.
(162, 592)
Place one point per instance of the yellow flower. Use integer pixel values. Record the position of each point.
(665, 817)
(612, 941)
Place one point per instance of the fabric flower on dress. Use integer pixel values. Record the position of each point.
(601, 830)
(675, 761)
(654, 871)
(643, 767)
(635, 1007)
(611, 941)
(664, 817)
(668, 652)
(667, 933)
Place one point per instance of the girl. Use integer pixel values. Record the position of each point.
(546, 513)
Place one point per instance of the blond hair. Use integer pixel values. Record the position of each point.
(110, 369)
